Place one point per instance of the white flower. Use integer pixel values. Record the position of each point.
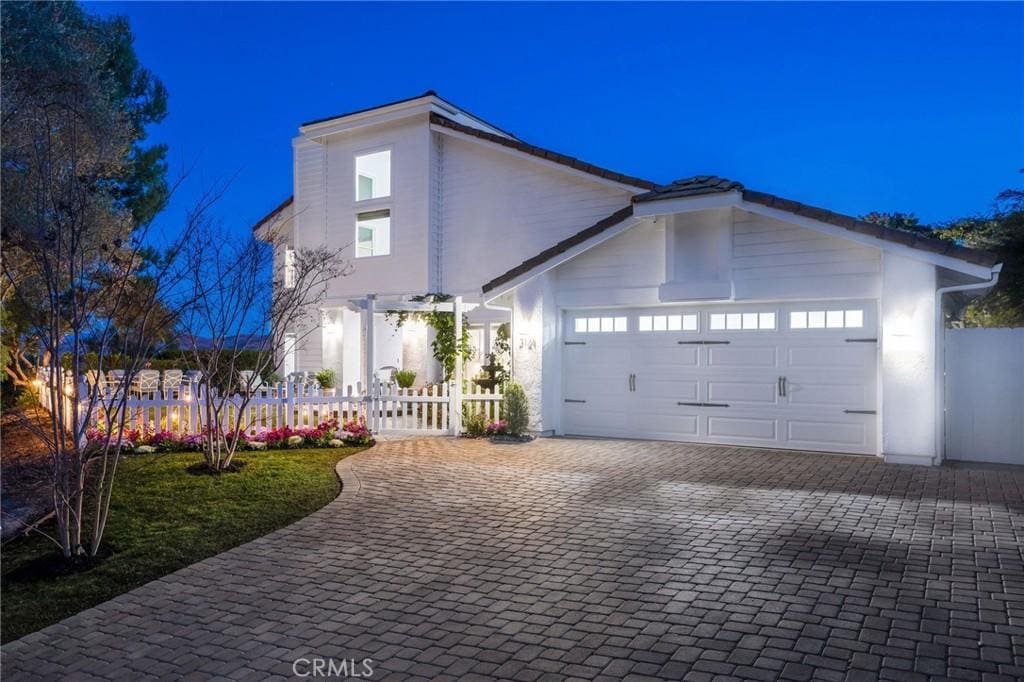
(335, 443)
(295, 441)
(257, 445)
(144, 450)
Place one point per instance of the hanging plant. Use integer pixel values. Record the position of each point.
(444, 346)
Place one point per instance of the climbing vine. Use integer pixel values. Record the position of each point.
(444, 347)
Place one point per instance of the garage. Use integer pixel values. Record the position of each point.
(796, 375)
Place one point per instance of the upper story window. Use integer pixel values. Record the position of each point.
(289, 268)
(373, 175)
(373, 233)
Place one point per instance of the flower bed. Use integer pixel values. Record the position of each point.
(326, 434)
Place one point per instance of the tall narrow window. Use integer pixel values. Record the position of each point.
(288, 362)
(373, 233)
(373, 176)
(289, 268)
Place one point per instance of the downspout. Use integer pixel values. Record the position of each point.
(940, 356)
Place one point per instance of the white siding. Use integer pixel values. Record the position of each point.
(499, 210)
(404, 270)
(625, 269)
(309, 193)
(771, 258)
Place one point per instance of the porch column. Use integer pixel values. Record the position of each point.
(368, 321)
(456, 407)
(487, 341)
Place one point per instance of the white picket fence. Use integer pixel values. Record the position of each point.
(386, 409)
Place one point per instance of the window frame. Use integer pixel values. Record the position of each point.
(654, 318)
(736, 321)
(595, 324)
(822, 315)
(355, 243)
(355, 174)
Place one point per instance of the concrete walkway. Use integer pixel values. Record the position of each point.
(580, 558)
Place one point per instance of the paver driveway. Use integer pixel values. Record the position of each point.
(567, 558)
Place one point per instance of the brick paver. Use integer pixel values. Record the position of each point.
(580, 558)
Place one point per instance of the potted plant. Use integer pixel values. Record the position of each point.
(405, 378)
(328, 379)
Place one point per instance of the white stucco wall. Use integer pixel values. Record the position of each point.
(907, 351)
(387, 339)
(536, 356)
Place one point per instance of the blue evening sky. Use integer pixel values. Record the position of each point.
(854, 106)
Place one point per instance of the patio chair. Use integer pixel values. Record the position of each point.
(115, 379)
(95, 379)
(172, 380)
(249, 381)
(148, 381)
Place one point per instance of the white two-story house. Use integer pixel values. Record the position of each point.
(698, 310)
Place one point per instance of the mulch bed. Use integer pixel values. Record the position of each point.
(24, 472)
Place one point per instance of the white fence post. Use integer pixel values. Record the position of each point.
(456, 406)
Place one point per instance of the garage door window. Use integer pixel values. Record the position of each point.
(585, 325)
(669, 323)
(826, 319)
(741, 321)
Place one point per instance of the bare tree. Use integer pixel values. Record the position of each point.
(242, 309)
(114, 305)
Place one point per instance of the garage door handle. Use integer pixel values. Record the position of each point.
(573, 400)
(703, 404)
(860, 411)
(575, 343)
(703, 343)
(861, 340)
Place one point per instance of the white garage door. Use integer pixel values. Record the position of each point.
(794, 375)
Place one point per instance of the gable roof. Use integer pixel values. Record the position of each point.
(508, 140)
(429, 94)
(701, 185)
(561, 247)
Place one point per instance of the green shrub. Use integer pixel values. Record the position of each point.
(474, 423)
(405, 378)
(26, 398)
(516, 409)
(327, 378)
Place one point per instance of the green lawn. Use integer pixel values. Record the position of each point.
(164, 518)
